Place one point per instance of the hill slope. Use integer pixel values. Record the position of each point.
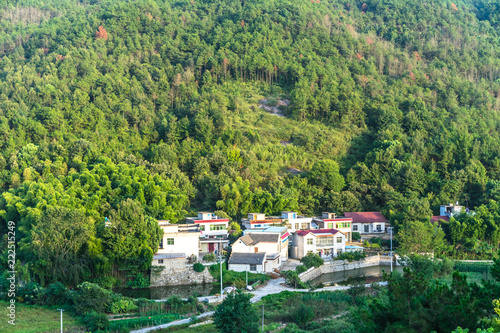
(393, 107)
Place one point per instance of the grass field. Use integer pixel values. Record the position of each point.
(35, 319)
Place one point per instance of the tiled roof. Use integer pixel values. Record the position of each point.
(255, 258)
(260, 237)
(366, 217)
(440, 217)
(317, 232)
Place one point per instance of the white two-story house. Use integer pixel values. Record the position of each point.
(327, 243)
(331, 221)
(213, 235)
(177, 243)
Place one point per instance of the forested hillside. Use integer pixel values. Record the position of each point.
(149, 109)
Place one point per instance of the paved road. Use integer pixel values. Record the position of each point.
(273, 287)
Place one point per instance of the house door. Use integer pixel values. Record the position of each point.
(211, 247)
(367, 228)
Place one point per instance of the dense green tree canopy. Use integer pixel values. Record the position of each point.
(378, 105)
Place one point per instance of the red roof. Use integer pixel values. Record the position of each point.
(211, 221)
(366, 217)
(440, 217)
(317, 231)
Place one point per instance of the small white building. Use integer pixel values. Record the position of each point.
(250, 262)
(175, 243)
(327, 243)
(259, 221)
(296, 222)
(450, 210)
(331, 221)
(368, 222)
(269, 243)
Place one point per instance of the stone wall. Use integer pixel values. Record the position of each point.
(343, 265)
(177, 272)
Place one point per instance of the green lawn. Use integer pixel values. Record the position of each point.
(35, 319)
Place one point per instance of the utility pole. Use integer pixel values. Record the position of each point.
(220, 263)
(61, 319)
(390, 230)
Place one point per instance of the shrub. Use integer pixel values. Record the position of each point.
(300, 269)
(292, 279)
(198, 267)
(303, 314)
(31, 293)
(107, 282)
(312, 259)
(272, 101)
(55, 294)
(240, 284)
(139, 281)
(90, 297)
(351, 256)
(210, 257)
(356, 236)
(120, 304)
(96, 321)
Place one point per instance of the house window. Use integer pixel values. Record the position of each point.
(339, 239)
(324, 241)
(379, 228)
(202, 228)
(296, 226)
(170, 241)
(256, 249)
(355, 227)
(310, 241)
(217, 227)
(367, 228)
(253, 268)
(161, 243)
(160, 261)
(330, 225)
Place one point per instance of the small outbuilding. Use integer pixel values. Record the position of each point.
(247, 261)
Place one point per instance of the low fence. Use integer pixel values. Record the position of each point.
(344, 265)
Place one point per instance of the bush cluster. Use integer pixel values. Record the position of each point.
(351, 256)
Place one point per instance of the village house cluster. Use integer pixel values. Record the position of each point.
(267, 241)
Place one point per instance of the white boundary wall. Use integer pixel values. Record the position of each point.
(344, 265)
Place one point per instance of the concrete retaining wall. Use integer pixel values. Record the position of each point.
(344, 265)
